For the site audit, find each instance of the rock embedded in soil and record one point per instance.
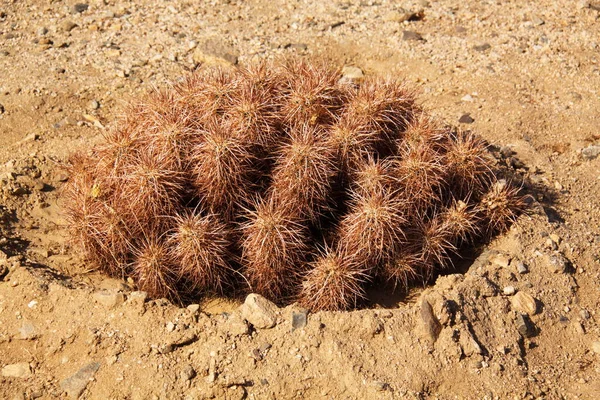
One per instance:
(590, 152)
(18, 370)
(351, 74)
(557, 263)
(522, 267)
(411, 35)
(109, 298)
(27, 331)
(80, 7)
(466, 119)
(299, 319)
(524, 303)
(430, 323)
(482, 47)
(259, 312)
(76, 384)
(596, 347)
(525, 326)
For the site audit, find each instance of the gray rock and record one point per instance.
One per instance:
(27, 331)
(299, 319)
(584, 314)
(188, 373)
(109, 298)
(590, 152)
(76, 384)
(80, 7)
(509, 290)
(522, 267)
(466, 119)
(482, 47)
(557, 263)
(259, 312)
(525, 326)
(18, 370)
(411, 35)
(431, 325)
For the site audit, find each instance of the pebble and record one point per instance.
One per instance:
(67, 26)
(259, 312)
(525, 326)
(590, 152)
(482, 47)
(430, 322)
(80, 7)
(397, 16)
(467, 98)
(42, 31)
(18, 370)
(188, 373)
(466, 119)
(584, 314)
(27, 331)
(411, 35)
(193, 308)
(509, 290)
(524, 303)
(557, 263)
(351, 74)
(596, 347)
(522, 267)
(94, 105)
(299, 319)
(501, 260)
(109, 298)
(170, 326)
(76, 384)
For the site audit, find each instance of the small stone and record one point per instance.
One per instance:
(590, 152)
(80, 7)
(109, 298)
(509, 290)
(381, 386)
(18, 370)
(482, 47)
(466, 119)
(557, 263)
(411, 35)
(259, 312)
(76, 384)
(236, 325)
(430, 323)
(188, 373)
(42, 31)
(193, 308)
(467, 98)
(351, 74)
(94, 105)
(170, 326)
(584, 314)
(27, 331)
(299, 319)
(67, 26)
(522, 267)
(596, 347)
(525, 326)
(397, 16)
(501, 260)
(524, 303)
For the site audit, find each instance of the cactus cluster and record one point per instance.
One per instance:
(282, 179)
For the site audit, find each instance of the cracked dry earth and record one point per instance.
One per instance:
(518, 320)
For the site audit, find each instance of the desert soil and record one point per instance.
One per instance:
(521, 321)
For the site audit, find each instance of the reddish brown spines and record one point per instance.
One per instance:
(221, 169)
(372, 230)
(469, 164)
(154, 269)
(360, 167)
(501, 206)
(200, 246)
(274, 246)
(310, 93)
(303, 173)
(333, 282)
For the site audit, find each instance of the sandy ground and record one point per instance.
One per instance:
(520, 322)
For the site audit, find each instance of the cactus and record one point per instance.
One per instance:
(282, 179)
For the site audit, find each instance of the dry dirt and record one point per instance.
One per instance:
(522, 321)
